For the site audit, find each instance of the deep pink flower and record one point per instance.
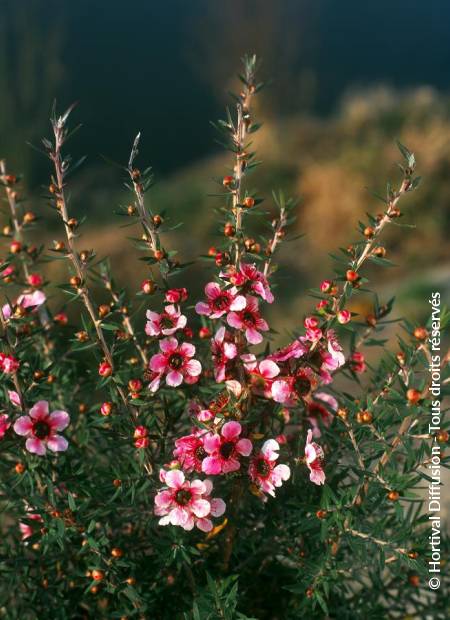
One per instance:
(190, 452)
(40, 427)
(262, 375)
(187, 503)
(358, 362)
(344, 316)
(249, 320)
(225, 449)
(326, 285)
(219, 301)
(223, 351)
(35, 280)
(4, 424)
(175, 361)
(250, 280)
(314, 460)
(175, 295)
(8, 364)
(166, 323)
(263, 470)
(294, 350)
(25, 528)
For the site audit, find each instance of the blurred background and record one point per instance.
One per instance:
(345, 81)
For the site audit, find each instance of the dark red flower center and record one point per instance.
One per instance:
(249, 318)
(166, 321)
(200, 453)
(176, 361)
(183, 497)
(41, 429)
(227, 449)
(221, 302)
(302, 385)
(263, 468)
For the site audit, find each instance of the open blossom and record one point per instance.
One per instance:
(189, 451)
(249, 320)
(225, 449)
(166, 323)
(314, 460)
(176, 363)
(40, 427)
(27, 300)
(289, 389)
(187, 503)
(250, 280)
(262, 375)
(219, 301)
(333, 358)
(4, 424)
(8, 364)
(264, 471)
(294, 350)
(223, 351)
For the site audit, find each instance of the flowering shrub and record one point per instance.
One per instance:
(282, 494)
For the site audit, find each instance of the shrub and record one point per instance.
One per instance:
(186, 468)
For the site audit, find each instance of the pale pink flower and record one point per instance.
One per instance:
(187, 503)
(224, 449)
(219, 301)
(40, 427)
(175, 361)
(249, 320)
(263, 470)
(27, 300)
(166, 323)
(4, 424)
(223, 351)
(234, 387)
(314, 459)
(14, 398)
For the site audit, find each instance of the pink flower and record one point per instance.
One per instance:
(175, 295)
(166, 323)
(295, 350)
(311, 322)
(187, 503)
(4, 424)
(344, 316)
(317, 412)
(262, 375)
(314, 459)
(358, 362)
(223, 351)
(288, 390)
(263, 470)
(326, 285)
(8, 364)
(333, 358)
(225, 449)
(190, 452)
(25, 528)
(250, 280)
(27, 300)
(219, 302)
(314, 334)
(249, 320)
(175, 361)
(14, 398)
(41, 428)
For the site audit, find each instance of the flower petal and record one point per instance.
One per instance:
(23, 425)
(174, 479)
(39, 410)
(218, 507)
(244, 447)
(57, 443)
(59, 420)
(35, 446)
(231, 430)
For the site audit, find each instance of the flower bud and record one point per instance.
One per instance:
(106, 408)
(413, 396)
(227, 181)
(249, 202)
(420, 333)
(351, 276)
(344, 316)
(104, 369)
